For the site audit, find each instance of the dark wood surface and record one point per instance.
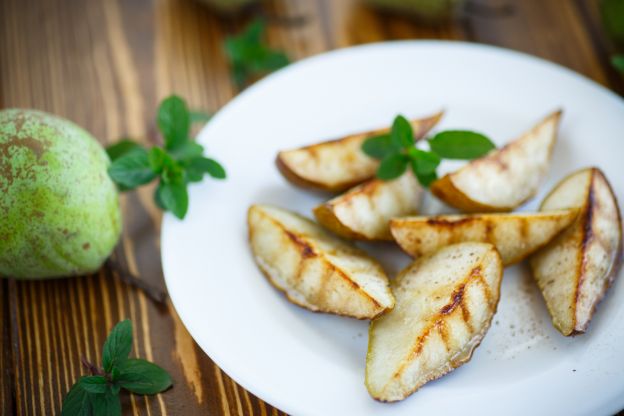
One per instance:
(105, 64)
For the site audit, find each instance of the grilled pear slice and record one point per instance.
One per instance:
(575, 270)
(364, 212)
(444, 306)
(337, 165)
(315, 269)
(504, 178)
(514, 235)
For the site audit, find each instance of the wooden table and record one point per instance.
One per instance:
(105, 64)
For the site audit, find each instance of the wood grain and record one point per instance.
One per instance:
(105, 64)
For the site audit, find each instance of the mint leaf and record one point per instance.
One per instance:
(248, 55)
(392, 166)
(460, 144)
(378, 147)
(402, 134)
(142, 377)
(425, 179)
(174, 121)
(93, 384)
(132, 169)
(188, 150)
(157, 159)
(122, 147)
(423, 162)
(107, 404)
(173, 196)
(612, 12)
(618, 62)
(117, 346)
(77, 402)
(200, 117)
(199, 166)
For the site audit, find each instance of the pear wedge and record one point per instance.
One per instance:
(575, 270)
(364, 212)
(315, 269)
(337, 165)
(505, 178)
(515, 235)
(444, 307)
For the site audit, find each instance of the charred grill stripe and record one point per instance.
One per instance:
(444, 333)
(586, 216)
(457, 300)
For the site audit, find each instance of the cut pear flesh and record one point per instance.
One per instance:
(364, 212)
(515, 236)
(444, 307)
(575, 270)
(505, 178)
(337, 165)
(315, 269)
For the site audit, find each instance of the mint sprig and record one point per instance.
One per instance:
(618, 62)
(98, 393)
(177, 163)
(250, 57)
(397, 150)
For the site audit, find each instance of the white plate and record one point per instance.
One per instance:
(313, 364)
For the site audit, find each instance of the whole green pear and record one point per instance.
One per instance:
(59, 210)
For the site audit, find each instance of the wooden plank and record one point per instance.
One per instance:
(553, 30)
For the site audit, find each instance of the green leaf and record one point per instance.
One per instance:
(392, 166)
(107, 404)
(424, 178)
(117, 346)
(460, 144)
(188, 150)
(378, 147)
(132, 169)
(158, 198)
(143, 377)
(93, 384)
(249, 56)
(618, 62)
(402, 133)
(77, 402)
(156, 158)
(200, 116)
(612, 12)
(173, 196)
(201, 165)
(122, 147)
(174, 121)
(424, 162)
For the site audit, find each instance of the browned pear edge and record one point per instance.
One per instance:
(427, 123)
(454, 302)
(307, 250)
(445, 189)
(327, 217)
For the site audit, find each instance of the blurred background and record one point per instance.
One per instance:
(106, 64)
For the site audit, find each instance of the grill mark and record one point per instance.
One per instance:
(321, 294)
(443, 222)
(457, 297)
(456, 301)
(304, 247)
(523, 229)
(586, 215)
(444, 333)
(489, 227)
(328, 264)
